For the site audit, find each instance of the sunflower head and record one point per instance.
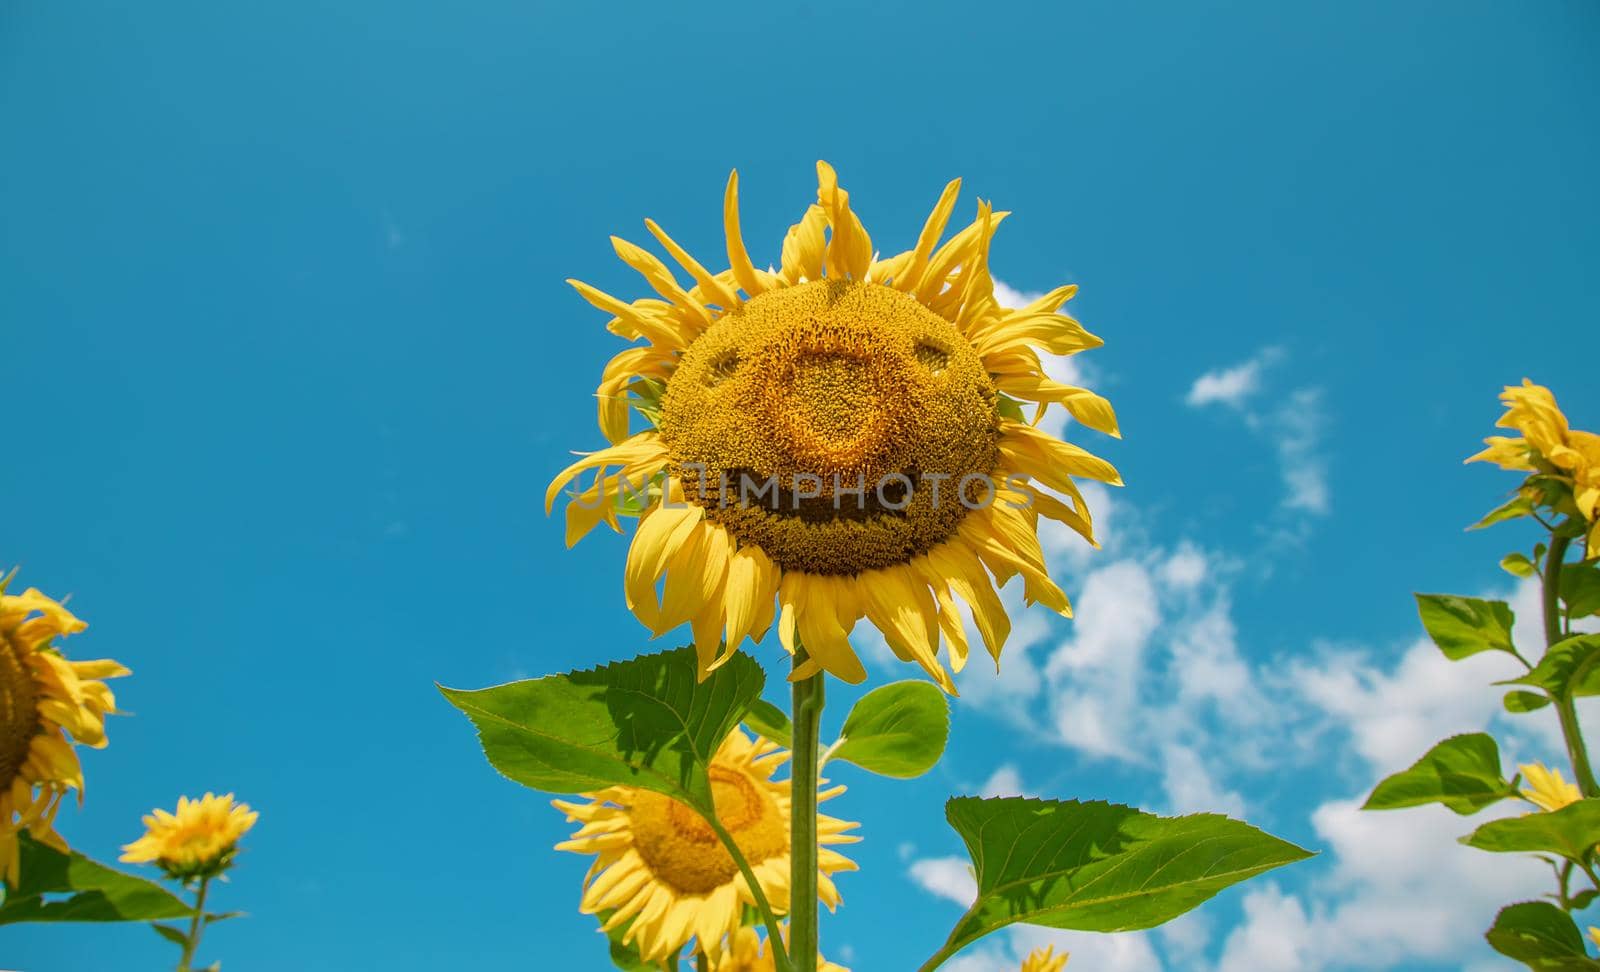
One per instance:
(1044, 959)
(1546, 788)
(660, 865)
(843, 436)
(1563, 462)
(47, 704)
(197, 841)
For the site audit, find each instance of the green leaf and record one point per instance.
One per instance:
(646, 722)
(1517, 565)
(176, 936)
(1464, 626)
(1099, 866)
(94, 891)
(1569, 832)
(897, 730)
(624, 956)
(1010, 408)
(1541, 936)
(1463, 773)
(1525, 701)
(1509, 510)
(770, 721)
(646, 398)
(1571, 668)
(1579, 588)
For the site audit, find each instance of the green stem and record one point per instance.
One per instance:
(780, 957)
(1577, 753)
(807, 716)
(702, 963)
(197, 925)
(943, 955)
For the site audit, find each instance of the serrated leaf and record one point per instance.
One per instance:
(897, 730)
(1099, 866)
(94, 891)
(770, 721)
(646, 722)
(1569, 832)
(1509, 510)
(1571, 668)
(1463, 773)
(1541, 936)
(1517, 565)
(1521, 701)
(1464, 626)
(1580, 589)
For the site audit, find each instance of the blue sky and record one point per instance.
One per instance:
(289, 361)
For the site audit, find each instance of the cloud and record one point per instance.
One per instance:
(946, 877)
(1101, 953)
(1402, 890)
(1005, 781)
(1230, 386)
(1294, 426)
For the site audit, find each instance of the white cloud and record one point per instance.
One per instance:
(1096, 671)
(947, 877)
(1190, 787)
(1229, 386)
(1128, 952)
(1008, 296)
(1296, 430)
(1005, 781)
(1402, 890)
(1293, 425)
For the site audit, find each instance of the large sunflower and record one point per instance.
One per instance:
(659, 864)
(46, 704)
(843, 435)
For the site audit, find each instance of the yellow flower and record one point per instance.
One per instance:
(1044, 960)
(747, 952)
(47, 703)
(1546, 789)
(845, 437)
(1548, 445)
(198, 841)
(1594, 935)
(659, 863)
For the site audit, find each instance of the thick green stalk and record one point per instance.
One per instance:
(807, 716)
(196, 925)
(1565, 711)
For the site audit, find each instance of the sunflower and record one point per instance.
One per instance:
(198, 841)
(1044, 960)
(747, 952)
(1550, 447)
(843, 436)
(47, 703)
(660, 865)
(1546, 788)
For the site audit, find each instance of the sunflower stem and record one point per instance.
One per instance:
(807, 716)
(780, 957)
(1568, 714)
(197, 925)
